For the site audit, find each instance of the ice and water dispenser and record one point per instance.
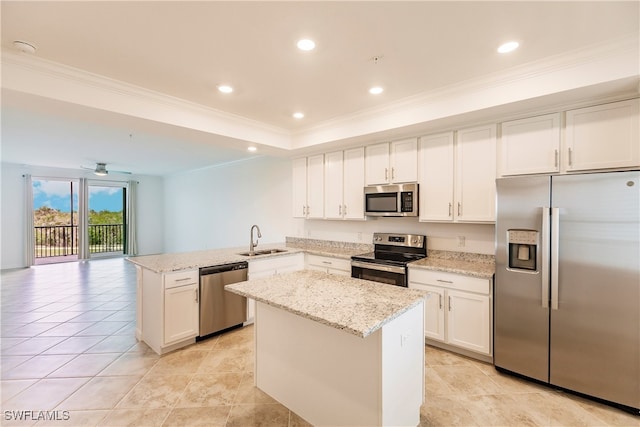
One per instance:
(523, 249)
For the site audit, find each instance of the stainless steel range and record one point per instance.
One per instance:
(388, 262)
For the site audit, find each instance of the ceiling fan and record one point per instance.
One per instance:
(101, 170)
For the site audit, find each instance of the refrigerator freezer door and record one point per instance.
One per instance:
(521, 313)
(595, 330)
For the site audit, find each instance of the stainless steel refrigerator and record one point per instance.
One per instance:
(567, 289)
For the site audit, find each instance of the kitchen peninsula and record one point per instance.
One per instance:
(338, 350)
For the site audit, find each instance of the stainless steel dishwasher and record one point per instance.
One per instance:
(220, 309)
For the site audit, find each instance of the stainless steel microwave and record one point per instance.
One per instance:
(391, 200)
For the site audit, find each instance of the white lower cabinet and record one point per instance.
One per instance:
(267, 267)
(170, 309)
(332, 265)
(181, 305)
(458, 310)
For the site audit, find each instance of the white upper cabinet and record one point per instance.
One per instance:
(308, 187)
(333, 179)
(404, 160)
(315, 186)
(602, 137)
(530, 146)
(457, 177)
(475, 192)
(394, 162)
(299, 178)
(344, 183)
(353, 176)
(436, 159)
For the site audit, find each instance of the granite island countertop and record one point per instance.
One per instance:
(359, 307)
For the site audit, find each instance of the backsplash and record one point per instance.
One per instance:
(460, 256)
(317, 243)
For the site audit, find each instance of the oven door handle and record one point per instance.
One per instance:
(379, 267)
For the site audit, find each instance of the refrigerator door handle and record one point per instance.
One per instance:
(546, 219)
(555, 250)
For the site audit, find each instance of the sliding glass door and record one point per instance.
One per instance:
(107, 218)
(78, 219)
(55, 220)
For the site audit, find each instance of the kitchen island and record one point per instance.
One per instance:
(338, 350)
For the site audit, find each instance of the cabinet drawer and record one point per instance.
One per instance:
(450, 280)
(180, 278)
(329, 262)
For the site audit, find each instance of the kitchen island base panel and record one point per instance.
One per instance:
(330, 377)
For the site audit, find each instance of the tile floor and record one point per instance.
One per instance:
(69, 351)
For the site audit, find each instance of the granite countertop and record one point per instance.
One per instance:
(359, 307)
(474, 265)
(167, 263)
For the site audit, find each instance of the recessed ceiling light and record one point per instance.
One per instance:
(376, 90)
(24, 47)
(508, 47)
(298, 115)
(225, 88)
(252, 148)
(306, 44)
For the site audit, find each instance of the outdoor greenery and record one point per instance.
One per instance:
(54, 229)
(46, 216)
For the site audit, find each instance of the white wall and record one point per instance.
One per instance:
(478, 238)
(216, 207)
(12, 222)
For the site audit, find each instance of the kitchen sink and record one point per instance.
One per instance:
(263, 252)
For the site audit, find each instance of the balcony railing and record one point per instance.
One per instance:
(62, 240)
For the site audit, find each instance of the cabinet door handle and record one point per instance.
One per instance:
(308, 210)
(386, 174)
(344, 210)
(449, 303)
(339, 210)
(443, 281)
(570, 157)
(393, 173)
(450, 209)
(556, 157)
(459, 208)
(327, 262)
(183, 279)
(304, 210)
(440, 300)
(197, 294)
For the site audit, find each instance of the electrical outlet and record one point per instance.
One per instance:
(461, 241)
(404, 338)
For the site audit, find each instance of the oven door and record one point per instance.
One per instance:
(390, 274)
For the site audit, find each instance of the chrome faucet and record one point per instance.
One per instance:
(252, 245)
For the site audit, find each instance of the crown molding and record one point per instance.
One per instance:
(592, 65)
(586, 67)
(41, 77)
